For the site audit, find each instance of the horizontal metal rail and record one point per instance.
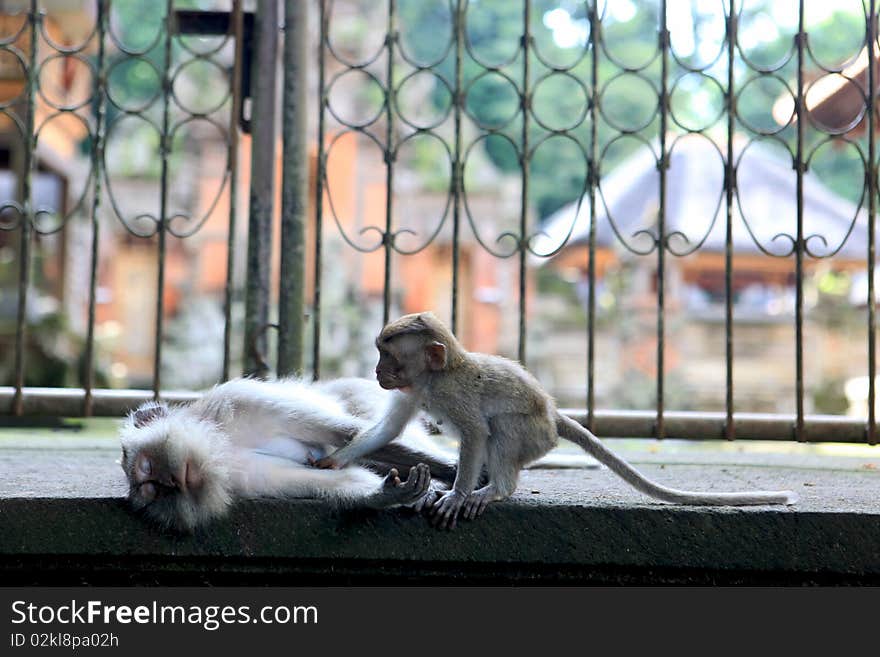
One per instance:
(67, 402)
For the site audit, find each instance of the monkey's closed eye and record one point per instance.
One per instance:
(144, 465)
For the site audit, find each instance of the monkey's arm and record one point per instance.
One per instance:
(248, 410)
(403, 408)
(262, 474)
(474, 433)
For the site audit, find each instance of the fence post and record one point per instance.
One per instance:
(259, 251)
(27, 209)
(294, 187)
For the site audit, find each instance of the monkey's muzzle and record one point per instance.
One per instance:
(387, 382)
(151, 476)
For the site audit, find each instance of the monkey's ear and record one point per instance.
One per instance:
(436, 354)
(148, 412)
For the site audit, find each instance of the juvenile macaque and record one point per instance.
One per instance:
(501, 415)
(185, 464)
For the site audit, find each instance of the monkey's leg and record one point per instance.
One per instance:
(395, 455)
(504, 475)
(505, 457)
(472, 454)
(268, 475)
(400, 456)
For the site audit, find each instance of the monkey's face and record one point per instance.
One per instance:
(407, 360)
(388, 370)
(174, 474)
(396, 369)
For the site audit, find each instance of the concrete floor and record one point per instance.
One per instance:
(62, 519)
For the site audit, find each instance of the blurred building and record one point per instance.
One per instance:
(198, 197)
(762, 276)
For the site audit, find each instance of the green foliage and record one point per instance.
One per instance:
(54, 355)
(829, 293)
(557, 175)
(557, 169)
(134, 82)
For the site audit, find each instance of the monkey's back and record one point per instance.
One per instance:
(507, 387)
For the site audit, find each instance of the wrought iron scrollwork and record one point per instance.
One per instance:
(101, 115)
(728, 75)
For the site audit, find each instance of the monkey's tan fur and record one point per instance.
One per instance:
(501, 415)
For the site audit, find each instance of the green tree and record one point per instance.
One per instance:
(493, 31)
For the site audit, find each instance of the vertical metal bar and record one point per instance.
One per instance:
(262, 192)
(799, 246)
(457, 165)
(232, 163)
(24, 264)
(729, 182)
(294, 187)
(164, 151)
(319, 197)
(593, 180)
(661, 220)
(872, 207)
(390, 38)
(99, 91)
(525, 102)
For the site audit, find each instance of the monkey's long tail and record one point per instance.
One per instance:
(573, 431)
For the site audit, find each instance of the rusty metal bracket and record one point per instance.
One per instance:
(218, 23)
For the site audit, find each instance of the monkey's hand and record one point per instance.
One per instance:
(338, 459)
(446, 508)
(326, 463)
(395, 492)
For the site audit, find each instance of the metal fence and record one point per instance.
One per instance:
(524, 70)
(34, 48)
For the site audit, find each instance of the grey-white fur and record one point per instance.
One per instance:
(186, 463)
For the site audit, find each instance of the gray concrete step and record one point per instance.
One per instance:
(63, 520)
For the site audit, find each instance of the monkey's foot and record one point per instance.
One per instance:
(446, 509)
(426, 501)
(477, 502)
(395, 492)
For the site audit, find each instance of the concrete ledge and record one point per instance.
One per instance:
(62, 521)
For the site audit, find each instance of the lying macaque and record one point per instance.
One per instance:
(501, 415)
(185, 464)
